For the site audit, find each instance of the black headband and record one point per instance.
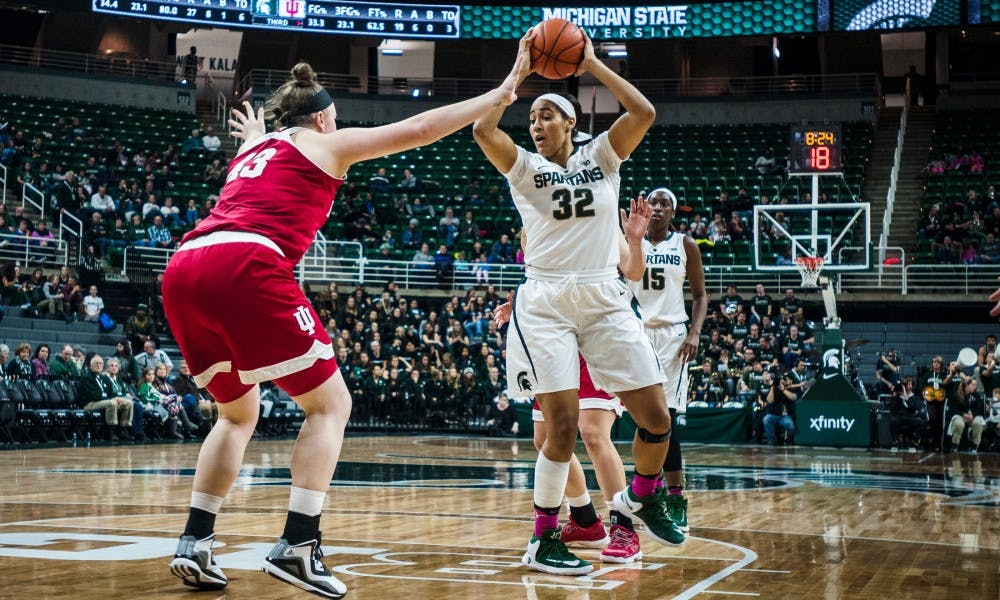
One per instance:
(320, 101)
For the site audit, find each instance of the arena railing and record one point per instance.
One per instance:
(815, 85)
(73, 226)
(33, 196)
(25, 251)
(977, 280)
(3, 182)
(91, 64)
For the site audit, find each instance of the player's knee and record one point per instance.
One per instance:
(595, 437)
(653, 437)
(561, 432)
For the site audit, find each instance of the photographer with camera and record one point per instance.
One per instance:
(907, 412)
(887, 372)
(799, 380)
(778, 409)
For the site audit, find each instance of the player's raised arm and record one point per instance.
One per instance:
(626, 132)
(354, 145)
(495, 144)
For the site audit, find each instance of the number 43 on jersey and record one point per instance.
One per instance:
(251, 166)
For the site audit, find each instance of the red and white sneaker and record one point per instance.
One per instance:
(574, 536)
(623, 547)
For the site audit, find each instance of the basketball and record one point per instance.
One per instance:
(557, 50)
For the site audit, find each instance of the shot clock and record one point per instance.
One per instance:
(815, 149)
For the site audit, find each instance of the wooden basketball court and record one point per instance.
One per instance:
(439, 517)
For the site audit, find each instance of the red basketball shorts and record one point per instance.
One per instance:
(591, 398)
(240, 318)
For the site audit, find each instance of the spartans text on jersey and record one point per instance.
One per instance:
(663, 259)
(547, 178)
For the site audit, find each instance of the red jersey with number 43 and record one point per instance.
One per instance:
(275, 191)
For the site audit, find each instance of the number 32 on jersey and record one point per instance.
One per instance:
(251, 166)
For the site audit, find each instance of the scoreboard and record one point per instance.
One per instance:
(381, 19)
(815, 149)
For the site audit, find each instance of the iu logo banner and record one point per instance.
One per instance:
(292, 8)
(305, 320)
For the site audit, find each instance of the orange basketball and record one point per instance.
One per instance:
(557, 50)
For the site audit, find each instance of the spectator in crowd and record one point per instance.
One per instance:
(448, 227)
(40, 362)
(93, 306)
(192, 143)
(417, 208)
(211, 142)
(159, 235)
(932, 386)
(444, 266)
(765, 163)
(408, 184)
(778, 409)
(119, 389)
(72, 298)
(412, 237)
(503, 251)
(468, 229)
(63, 367)
(42, 241)
(887, 373)
(101, 202)
(731, 304)
(52, 299)
(760, 304)
(907, 412)
(151, 357)
(97, 233)
(503, 421)
(791, 306)
(20, 367)
(966, 410)
(200, 406)
(138, 233)
(95, 393)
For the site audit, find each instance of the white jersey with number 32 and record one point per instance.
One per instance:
(661, 292)
(570, 215)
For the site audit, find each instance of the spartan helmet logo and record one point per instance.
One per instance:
(523, 382)
(831, 363)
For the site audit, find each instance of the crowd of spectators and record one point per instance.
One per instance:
(123, 196)
(965, 230)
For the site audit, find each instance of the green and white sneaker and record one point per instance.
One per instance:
(549, 554)
(651, 511)
(677, 510)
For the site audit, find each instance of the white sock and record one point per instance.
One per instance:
(306, 502)
(579, 501)
(550, 481)
(206, 502)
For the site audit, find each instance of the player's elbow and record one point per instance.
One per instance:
(481, 130)
(644, 112)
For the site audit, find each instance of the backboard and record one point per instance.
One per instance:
(840, 233)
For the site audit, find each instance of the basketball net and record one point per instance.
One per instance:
(809, 268)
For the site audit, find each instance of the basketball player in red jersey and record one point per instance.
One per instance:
(240, 318)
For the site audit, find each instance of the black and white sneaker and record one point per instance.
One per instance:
(194, 564)
(302, 566)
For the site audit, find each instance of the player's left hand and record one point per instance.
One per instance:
(634, 223)
(247, 126)
(689, 349)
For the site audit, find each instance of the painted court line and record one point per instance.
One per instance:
(731, 593)
(702, 586)
(765, 571)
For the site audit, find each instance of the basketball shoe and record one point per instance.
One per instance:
(194, 564)
(574, 536)
(651, 511)
(302, 566)
(677, 510)
(623, 547)
(549, 554)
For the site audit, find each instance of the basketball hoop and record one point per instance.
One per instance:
(809, 268)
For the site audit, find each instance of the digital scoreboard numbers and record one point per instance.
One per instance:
(315, 16)
(815, 149)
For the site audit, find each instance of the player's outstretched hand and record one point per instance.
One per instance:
(520, 71)
(501, 314)
(995, 297)
(689, 349)
(247, 126)
(634, 223)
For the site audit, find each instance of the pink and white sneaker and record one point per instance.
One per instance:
(623, 547)
(574, 536)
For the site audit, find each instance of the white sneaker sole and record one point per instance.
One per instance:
(537, 566)
(191, 574)
(589, 544)
(279, 573)
(622, 560)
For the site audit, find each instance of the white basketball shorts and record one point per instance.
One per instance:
(668, 341)
(553, 322)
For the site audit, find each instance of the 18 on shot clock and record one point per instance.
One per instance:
(815, 149)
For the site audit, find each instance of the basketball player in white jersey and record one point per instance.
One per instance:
(671, 258)
(572, 303)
